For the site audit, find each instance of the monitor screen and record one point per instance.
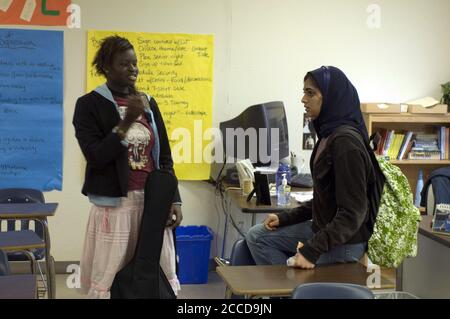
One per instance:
(259, 133)
(276, 118)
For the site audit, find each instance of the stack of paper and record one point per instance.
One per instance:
(302, 196)
(425, 102)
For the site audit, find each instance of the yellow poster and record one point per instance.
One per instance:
(176, 70)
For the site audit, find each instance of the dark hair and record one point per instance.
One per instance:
(108, 48)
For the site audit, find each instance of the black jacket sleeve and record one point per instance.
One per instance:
(299, 215)
(350, 171)
(165, 156)
(98, 148)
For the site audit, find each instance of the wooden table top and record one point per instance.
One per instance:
(425, 229)
(18, 287)
(251, 207)
(281, 280)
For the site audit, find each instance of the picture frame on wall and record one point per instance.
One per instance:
(309, 136)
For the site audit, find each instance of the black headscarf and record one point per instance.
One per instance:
(340, 104)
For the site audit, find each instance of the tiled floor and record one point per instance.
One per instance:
(214, 289)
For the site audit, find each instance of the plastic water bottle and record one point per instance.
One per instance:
(419, 187)
(283, 192)
(282, 169)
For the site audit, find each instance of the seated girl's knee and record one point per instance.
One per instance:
(255, 232)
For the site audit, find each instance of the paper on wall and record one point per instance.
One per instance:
(177, 71)
(5, 4)
(28, 10)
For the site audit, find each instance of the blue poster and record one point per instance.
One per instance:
(31, 98)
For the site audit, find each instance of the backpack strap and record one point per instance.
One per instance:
(367, 147)
(346, 130)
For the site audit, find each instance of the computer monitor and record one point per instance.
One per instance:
(259, 133)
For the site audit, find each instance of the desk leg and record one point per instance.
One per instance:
(253, 219)
(399, 278)
(228, 293)
(49, 263)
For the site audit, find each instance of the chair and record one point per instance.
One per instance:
(15, 286)
(22, 235)
(325, 290)
(240, 254)
(4, 264)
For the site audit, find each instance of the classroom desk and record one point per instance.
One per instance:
(239, 201)
(251, 208)
(18, 287)
(28, 239)
(263, 281)
(426, 275)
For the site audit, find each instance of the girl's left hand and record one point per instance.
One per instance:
(302, 262)
(175, 216)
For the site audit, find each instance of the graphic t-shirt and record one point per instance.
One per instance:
(141, 140)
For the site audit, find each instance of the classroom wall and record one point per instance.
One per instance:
(263, 48)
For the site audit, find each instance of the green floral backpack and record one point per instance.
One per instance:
(394, 234)
(393, 218)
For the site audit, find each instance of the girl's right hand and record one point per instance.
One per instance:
(135, 108)
(272, 222)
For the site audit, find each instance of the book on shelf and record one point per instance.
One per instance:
(447, 145)
(425, 147)
(423, 155)
(393, 146)
(441, 219)
(388, 142)
(428, 142)
(397, 145)
(415, 145)
(408, 150)
(441, 138)
(405, 144)
(443, 141)
(383, 133)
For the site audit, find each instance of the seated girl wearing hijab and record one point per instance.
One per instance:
(330, 228)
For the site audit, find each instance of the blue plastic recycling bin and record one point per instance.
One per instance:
(193, 244)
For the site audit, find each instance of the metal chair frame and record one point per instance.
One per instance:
(48, 286)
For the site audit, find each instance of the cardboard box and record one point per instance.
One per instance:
(380, 108)
(419, 109)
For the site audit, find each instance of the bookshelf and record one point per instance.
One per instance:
(420, 162)
(426, 123)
